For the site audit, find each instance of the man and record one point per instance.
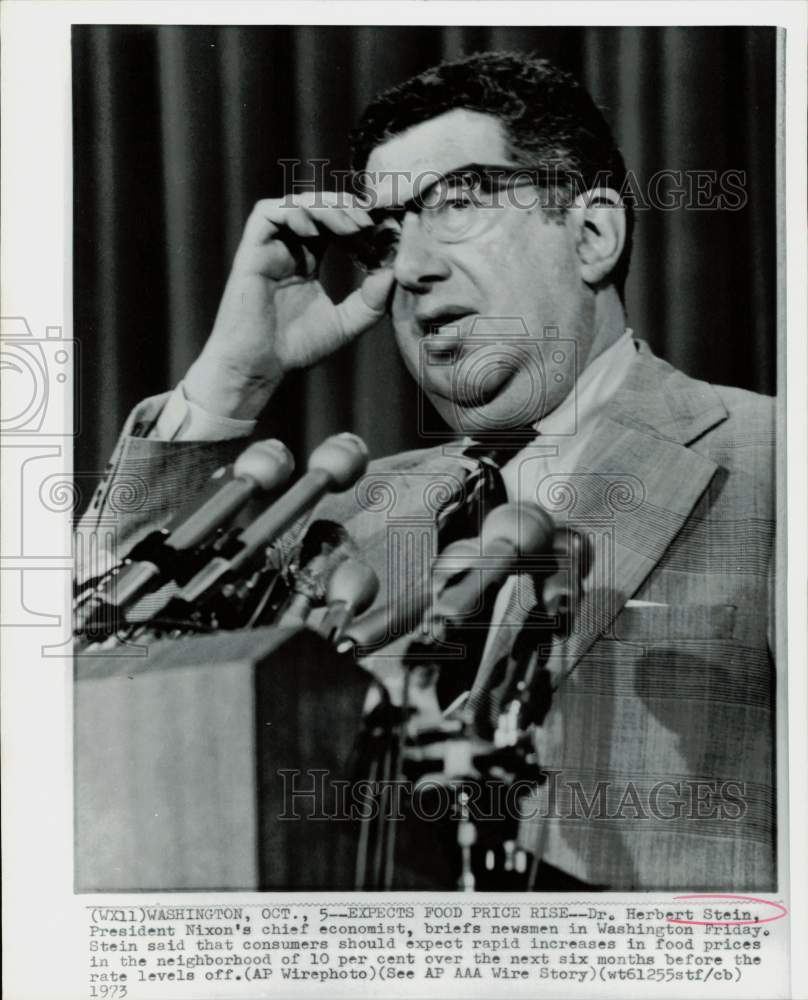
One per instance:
(493, 230)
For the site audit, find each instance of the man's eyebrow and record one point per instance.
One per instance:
(481, 169)
(473, 170)
(455, 174)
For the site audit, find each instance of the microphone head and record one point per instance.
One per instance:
(526, 527)
(343, 456)
(569, 544)
(460, 549)
(454, 560)
(269, 463)
(352, 583)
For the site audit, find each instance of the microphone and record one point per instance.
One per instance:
(387, 623)
(508, 533)
(504, 535)
(351, 589)
(262, 467)
(333, 466)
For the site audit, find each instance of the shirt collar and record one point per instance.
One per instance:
(595, 387)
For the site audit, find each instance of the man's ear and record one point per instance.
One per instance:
(599, 218)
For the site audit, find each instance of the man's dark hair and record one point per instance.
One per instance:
(551, 123)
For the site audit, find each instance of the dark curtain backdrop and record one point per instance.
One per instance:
(178, 131)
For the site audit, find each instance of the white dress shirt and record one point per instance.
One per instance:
(183, 420)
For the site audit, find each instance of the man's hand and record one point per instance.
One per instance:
(275, 315)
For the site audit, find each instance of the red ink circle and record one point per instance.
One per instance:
(731, 923)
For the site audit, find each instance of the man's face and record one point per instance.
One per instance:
(471, 316)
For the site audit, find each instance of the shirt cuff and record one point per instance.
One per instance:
(183, 420)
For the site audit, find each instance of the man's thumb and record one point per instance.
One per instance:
(366, 305)
(375, 289)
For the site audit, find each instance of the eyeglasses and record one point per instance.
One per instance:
(453, 208)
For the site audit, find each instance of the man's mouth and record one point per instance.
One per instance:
(446, 322)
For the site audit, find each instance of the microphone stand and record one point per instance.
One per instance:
(492, 743)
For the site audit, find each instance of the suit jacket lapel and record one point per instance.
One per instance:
(632, 492)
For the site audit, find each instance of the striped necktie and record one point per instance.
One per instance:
(483, 490)
(463, 516)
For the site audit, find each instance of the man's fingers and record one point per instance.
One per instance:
(296, 219)
(375, 289)
(351, 205)
(337, 220)
(333, 211)
(365, 306)
(359, 215)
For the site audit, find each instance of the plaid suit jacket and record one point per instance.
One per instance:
(659, 742)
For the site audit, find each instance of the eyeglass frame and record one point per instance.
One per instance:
(506, 176)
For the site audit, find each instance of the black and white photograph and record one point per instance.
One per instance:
(427, 470)
(505, 301)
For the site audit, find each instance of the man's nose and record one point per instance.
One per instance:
(419, 261)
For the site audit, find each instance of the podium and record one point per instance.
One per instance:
(214, 762)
